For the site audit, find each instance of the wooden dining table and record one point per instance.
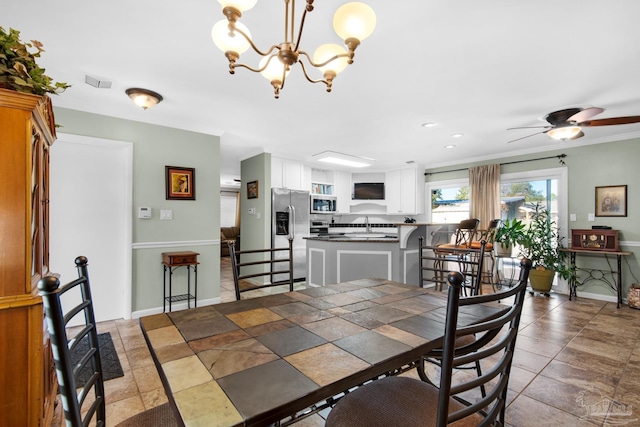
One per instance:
(280, 357)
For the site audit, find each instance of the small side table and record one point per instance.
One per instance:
(172, 261)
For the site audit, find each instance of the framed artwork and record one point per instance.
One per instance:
(180, 183)
(611, 200)
(252, 190)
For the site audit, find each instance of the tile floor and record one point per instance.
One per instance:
(573, 357)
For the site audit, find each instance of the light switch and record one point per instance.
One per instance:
(252, 211)
(572, 217)
(591, 217)
(166, 214)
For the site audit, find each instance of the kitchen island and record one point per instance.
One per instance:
(390, 254)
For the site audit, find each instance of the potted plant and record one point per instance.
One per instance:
(541, 243)
(508, 235)
(18, 68)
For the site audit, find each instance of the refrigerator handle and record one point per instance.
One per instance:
(292, 222)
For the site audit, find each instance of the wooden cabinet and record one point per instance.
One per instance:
(404, 191)
(28, 384)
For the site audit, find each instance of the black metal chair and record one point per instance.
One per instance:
(255, 260)
(407, 402)
(457, 249)
(58, 316)
(434, 265)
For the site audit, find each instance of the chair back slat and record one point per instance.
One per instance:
(57, 320)
(273, 258)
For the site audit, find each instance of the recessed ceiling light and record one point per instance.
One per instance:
(428, 124)
(457, 135)
(449, 146)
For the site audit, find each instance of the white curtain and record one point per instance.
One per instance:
(485, 193)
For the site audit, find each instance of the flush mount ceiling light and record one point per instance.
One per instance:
(143, 98)
(564, 132)
(428, 124)
(343, 159)
(457, 135)
(353, 22)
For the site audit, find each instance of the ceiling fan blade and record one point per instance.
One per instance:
(531, 127)
(585, 114)
(561, 116)
(533, 134)
(611, 121)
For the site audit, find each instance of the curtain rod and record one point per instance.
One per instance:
(560, 158)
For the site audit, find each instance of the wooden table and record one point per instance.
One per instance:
(597, 274)
(257, 361)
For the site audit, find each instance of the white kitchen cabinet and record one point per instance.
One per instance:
(404, 191)
(342, 190)
(290, 174)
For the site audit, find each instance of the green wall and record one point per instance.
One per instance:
(195, 225)
(612, 163)
(256, 228)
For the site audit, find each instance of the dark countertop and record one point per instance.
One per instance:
(354, 239)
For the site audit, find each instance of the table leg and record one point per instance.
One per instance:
(164, 288)
(619, 284)
(170, 290)
(195, 287)
(188, 286)
(573, 280)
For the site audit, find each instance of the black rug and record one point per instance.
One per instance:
(111, 367)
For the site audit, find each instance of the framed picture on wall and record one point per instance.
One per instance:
(180, 183)
(611, 200)
(252, 190)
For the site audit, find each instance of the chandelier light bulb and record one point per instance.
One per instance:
(228, 43)
(328, 51)
(241, 5)
(274, 70)
(354, 20)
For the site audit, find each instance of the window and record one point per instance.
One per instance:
(449, 201)
(229, 209)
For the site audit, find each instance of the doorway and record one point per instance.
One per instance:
(90, 215)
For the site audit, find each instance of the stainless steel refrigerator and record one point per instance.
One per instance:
(290, 219)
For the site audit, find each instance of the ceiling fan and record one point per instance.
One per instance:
(567, 124)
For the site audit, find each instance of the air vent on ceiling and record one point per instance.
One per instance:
(96, 82)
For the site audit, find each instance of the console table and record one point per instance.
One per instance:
(615, 282)
(172, 261)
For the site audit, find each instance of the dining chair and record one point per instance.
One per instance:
(434, 265)
(249, 265)
(455, 249)
(58, 315)
(410, 402)
(489, 236)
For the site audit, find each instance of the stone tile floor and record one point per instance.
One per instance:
(573, 359)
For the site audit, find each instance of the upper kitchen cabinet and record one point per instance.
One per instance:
(404, 191)
(290, 174)
(342, 181)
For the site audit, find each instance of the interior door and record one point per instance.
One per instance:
(90, 215)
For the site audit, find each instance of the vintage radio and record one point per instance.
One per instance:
(595, 240)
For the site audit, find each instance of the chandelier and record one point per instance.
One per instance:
(353, 22)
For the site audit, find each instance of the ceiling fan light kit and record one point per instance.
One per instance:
(567, 124)
(353, 22)
(563, 133)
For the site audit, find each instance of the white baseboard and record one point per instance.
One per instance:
(174, 307)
